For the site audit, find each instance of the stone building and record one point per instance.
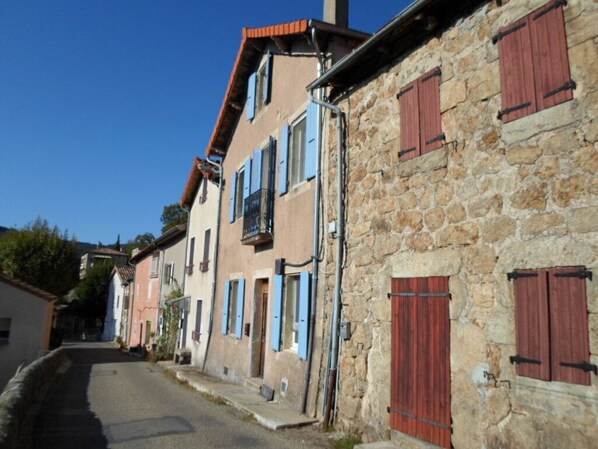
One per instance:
(471, 209)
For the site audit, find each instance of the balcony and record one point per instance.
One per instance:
(257, 218)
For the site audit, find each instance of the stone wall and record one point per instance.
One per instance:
(22, 391)
(495, 198)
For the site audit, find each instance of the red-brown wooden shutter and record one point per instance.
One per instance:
(532, 325)
(551, 61)
(420, 362)
(569, 325)
(409, 116)
(429, 111)
(516, 71)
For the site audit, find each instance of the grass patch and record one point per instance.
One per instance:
(346, 442)
(214, 399)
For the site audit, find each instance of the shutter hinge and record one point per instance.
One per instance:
(513, 109)
(587, 367)
(568, 85)
(404, 91)
(436, 139)
(554, 5)
(504, 33)
(519, 359)
(521, 274)
(585, 274)
(436, 72)
(408, 150)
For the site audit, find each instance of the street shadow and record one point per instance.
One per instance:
(65, 420)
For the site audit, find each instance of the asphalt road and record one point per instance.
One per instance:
(108, 399)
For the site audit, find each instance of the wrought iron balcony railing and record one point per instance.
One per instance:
(257, 217)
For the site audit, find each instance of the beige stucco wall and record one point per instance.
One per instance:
(198, 284)
(31, 321)
(495, 198)
(293, 217)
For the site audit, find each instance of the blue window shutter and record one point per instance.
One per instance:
(277, 312)
(312, 141)
(233, 193)
(284, 156)
(225, 307)
(247, 179)
(240, 308)
(304, 303)
(268, 82)
(251, 84)
(256, 171)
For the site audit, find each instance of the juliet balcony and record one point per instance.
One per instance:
(257, 217)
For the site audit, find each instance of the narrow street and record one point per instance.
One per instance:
(108, 399)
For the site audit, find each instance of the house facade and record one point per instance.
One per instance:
(26, 314)
(267, 137)
(118, 291)
(201, 199)
(101, 254)
(156, 268)
(471, 226)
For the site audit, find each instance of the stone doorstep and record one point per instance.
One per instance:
(377, 445)
(271, 415)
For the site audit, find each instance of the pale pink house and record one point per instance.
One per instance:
(150, 272)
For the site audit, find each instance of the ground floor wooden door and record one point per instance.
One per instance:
(420, 404)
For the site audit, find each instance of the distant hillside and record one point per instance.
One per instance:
(3, 230)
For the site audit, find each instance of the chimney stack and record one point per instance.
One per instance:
(336, 12)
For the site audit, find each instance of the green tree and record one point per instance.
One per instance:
(173, 215)
(42, 256)
(91, 295)
(117, 244)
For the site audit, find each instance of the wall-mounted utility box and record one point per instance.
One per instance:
(345, 331)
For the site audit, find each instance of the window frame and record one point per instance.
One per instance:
(297, 156)
(291, 312)
(154, 265)
(239, 200)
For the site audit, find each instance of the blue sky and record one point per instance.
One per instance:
(104, 103)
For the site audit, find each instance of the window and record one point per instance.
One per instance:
(259, 88)
(291, 297)
(551, 318)
(196, 334)
(239, 190)
(239, 193)
(206, 251)
(291, 337)
(168, 273)
(204, 192)
(191, 255)
(233, 307)
(154, 265)
(421, 128)
(297, 152)
(4, 330)
(534, 64)
(117, 301)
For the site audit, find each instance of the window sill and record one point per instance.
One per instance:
(298, 189)
(425, 163)
(539, 122)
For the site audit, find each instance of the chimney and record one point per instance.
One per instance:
(336, 12)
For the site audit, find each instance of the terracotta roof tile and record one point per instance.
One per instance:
(125, 272)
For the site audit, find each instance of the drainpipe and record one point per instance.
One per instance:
(334, 330)
(218, 165)
(316, 247)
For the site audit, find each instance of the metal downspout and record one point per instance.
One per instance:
(316, 247)
(218, 165)
(334, 329)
